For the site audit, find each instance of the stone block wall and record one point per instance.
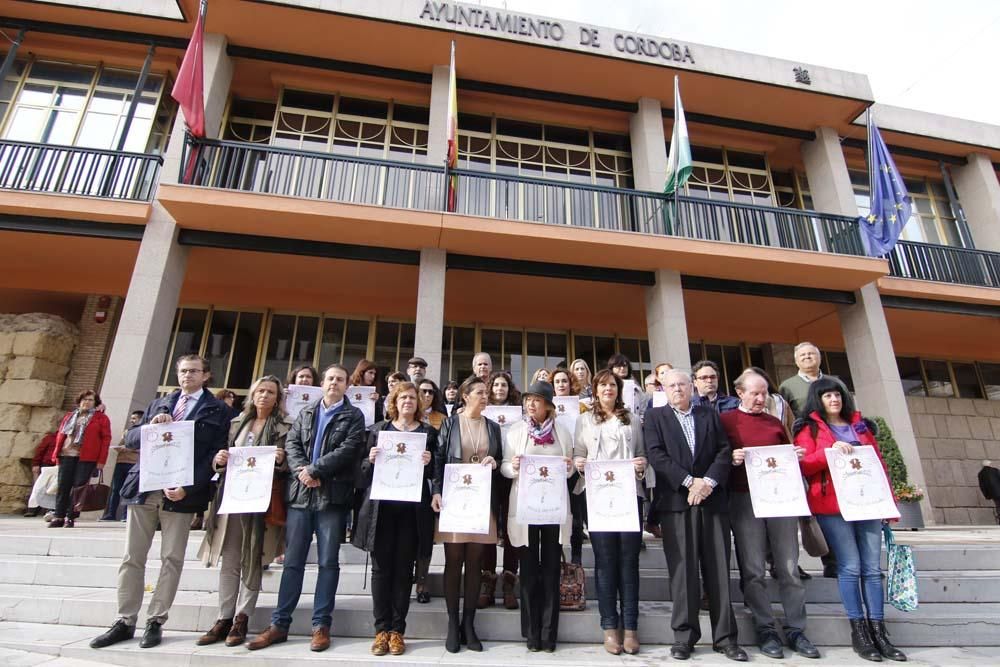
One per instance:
(35, 352)
(955, 436)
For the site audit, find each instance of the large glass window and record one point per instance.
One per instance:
(730, 175)
(911, 376)
(731, 359)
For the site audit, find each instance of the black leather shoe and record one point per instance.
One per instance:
(152, 636)
(118, 632)
(424, 597)
(830, 571)
(770, 646)
(803, 575)
(680, 652)
(801, 645)
(733, 652)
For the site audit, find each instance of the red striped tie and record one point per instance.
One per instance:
(180, 410)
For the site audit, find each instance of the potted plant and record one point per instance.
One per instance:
(908, 496)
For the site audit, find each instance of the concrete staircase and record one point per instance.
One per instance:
(68, 577)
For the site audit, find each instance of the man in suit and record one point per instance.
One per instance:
(690, 454)
(322, 448)
(171, 509)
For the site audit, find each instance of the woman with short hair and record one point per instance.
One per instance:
(246, 543)
(609, 432)
(391, 530)
(830, 420)
(539, 546)
(81, 447)
(304, 375)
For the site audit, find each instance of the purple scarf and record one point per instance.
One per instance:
(541, 434)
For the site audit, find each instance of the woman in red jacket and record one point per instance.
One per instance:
(832, 421)
(81, 446)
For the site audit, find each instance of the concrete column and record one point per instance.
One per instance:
(979, 192)
(437, 130)
(430, 309)
(876, 377)
(649, 151)
(218, 77)
(666, 322)
(826, 171)
(143, 336)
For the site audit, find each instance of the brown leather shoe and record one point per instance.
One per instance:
(381, 644)
(396, 644)
(238, 633)
(631, 643)
(218, 631)
(321, 639)
(273, 635)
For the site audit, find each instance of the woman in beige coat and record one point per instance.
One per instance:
(246, 542)
(539, 546)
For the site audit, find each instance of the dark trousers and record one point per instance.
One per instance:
(72, 473)
(392, 564)
(540, 574)
(616, 569)
(695, 540)
(578, 506)
(114, 499)
(510, 559)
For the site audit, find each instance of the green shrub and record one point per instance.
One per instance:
(898, 477)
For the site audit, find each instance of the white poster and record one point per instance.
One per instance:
(567, 411)
(505, 415)
(167, 456)
(249, 474)
(612, 505)
(542, 496)
(298, 396)
(465, 499)
(863, 491)
(659, 399)
(399, 466)
(630, 396)
(775, 479)
(363, 398)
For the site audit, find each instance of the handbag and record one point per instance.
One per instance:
(902, 574)
(276, 513)
(813, 540)
(91, 497)
(571, 586)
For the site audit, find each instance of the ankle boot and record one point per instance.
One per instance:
(509, 583)
(451, 644)
(861, 641)
(611, 643)
(469, 630)
(487, 590)
(880, 637)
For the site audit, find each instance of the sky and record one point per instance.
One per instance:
(928, 55)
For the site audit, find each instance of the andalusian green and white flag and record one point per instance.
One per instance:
(679, 161)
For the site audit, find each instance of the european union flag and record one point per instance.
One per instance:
(890, 203)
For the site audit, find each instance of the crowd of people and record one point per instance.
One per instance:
(686, 440)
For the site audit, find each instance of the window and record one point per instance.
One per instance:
(731, 359)
(911, 376)
(991, 380)
(730, 175)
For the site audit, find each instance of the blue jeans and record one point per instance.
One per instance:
(858, 548)
(616, 569)
(329, 526)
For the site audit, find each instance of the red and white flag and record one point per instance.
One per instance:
(452, 159)
(189, 89)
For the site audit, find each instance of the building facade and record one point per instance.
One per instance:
(309, 226)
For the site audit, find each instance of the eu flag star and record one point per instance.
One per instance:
(872, 218)
(892, 218)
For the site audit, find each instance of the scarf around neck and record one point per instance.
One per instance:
(541, 434)
(77, 424)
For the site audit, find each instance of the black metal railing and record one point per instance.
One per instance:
(236, 165)
(72, 170)
(945, 264)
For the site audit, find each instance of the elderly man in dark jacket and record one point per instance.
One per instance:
(171, 509)
(322, 448)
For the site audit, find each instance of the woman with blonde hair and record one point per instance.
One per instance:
(542, 375)
(246, 543)
(581, 371)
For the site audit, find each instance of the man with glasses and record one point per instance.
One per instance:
(172, 509)
(706, 381)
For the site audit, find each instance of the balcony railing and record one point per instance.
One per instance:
(269, 169)
(71, 170)
(945, 264)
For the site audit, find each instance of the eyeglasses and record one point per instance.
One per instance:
(427, 391)
(190, 371)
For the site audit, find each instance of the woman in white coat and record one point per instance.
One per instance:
(539, 546)
(608, 431)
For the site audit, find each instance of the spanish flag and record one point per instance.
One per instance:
(452, 159)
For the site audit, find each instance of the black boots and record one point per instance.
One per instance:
(862, 642)
(469, 631)
(880, 636)
(452, 643)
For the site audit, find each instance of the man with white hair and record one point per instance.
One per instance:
(482, 366)
(750, 426)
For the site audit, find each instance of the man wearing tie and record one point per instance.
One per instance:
(171, 508)
(690, 454)
(322, 447)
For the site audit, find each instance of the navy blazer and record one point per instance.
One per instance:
(670, 457)
(211, 431)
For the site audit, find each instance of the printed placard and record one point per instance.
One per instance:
(399, 466)
(542, 496)
(775, 480)
(612, 505)
(167, 456)
(465, 499)
(249, 475)
(298, 396)
(863, 490)
(363, 398)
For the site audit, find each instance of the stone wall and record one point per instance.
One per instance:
(35, 350)
(954, 436)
